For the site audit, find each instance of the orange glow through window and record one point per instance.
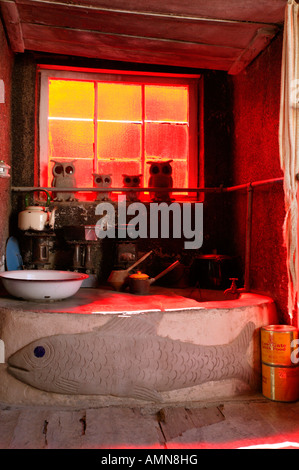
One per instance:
(115, 128)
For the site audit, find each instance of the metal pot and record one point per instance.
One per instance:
(36, 217)
(140, 283)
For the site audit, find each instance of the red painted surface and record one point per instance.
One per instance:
(6, 62)
(256, 100)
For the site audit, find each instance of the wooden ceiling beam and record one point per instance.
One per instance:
(133, 55)
(260, 41)
(128, 42)
(232, 35)
(12, 24)
(133, 12)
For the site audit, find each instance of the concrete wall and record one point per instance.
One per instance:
(255, 156)
(6, 64)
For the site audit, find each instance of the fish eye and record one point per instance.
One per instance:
(39, 351)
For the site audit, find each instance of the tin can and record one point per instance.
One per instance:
(277, 345)
(280, 383)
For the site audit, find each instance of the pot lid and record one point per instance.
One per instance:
(139, 275)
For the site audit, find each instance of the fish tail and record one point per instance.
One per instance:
(244, 337)
(239, 347)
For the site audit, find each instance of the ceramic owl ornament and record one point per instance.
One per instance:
(102, 180)
(160, 177)
(64, 177)
(132, 181)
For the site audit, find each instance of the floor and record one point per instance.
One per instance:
(239, 422)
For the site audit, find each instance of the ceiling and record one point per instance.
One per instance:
(215, 34)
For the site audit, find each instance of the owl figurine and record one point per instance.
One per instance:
(132, 181)
(160, 177)
(63, 177)
(102, 181)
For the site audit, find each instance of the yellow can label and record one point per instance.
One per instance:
(277, 345)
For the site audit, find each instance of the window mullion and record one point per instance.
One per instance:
(95, 145)
(143, 133)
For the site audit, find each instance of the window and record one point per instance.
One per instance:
(115, 123)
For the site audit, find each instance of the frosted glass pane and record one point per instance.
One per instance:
(166, 103)
(117, 101)
(166, 140)
(70, 139)
(71, 99)
(119, 140)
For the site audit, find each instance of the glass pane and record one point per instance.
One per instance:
(166, 103)
(71, 99)
(166, 140)
(70, 139)
(120, 102)
(119, 140)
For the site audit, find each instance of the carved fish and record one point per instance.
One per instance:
(127, 358)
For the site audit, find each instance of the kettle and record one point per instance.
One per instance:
(36, 217)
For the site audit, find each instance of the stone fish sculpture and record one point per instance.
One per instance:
(126, 358)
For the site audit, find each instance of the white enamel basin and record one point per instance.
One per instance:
(46, 285)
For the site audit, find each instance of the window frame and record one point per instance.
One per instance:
(194, 82)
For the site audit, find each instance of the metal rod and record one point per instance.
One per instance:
(76, 190)
(254, 184)
(174, 190)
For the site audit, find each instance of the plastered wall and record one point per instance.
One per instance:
(255, 98)
(6, 64)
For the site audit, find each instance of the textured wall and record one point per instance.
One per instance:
(6, 63)
(255, 156)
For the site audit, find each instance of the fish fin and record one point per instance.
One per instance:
(144, 393)
(64, 385)
(132, 325)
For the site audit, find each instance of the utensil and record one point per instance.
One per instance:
(118, 277)
(140, 283)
